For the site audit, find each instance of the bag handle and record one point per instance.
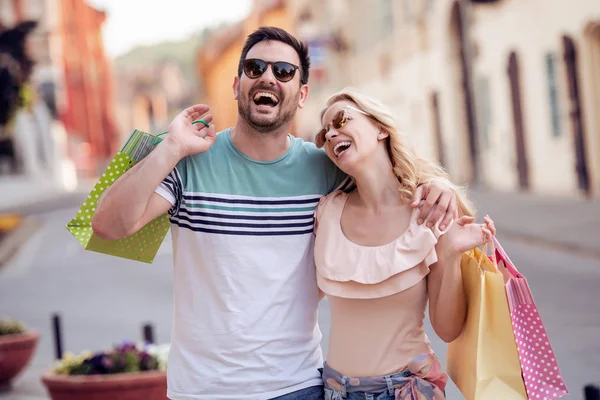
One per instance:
(493, 255)
(198, 121)
(509, 265)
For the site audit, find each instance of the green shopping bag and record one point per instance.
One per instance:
(144, 244)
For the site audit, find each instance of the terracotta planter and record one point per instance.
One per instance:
(15, 352)
(147, 385)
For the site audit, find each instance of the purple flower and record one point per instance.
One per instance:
(125, 357)
(95, 365)
(126, 346)
(107, 363)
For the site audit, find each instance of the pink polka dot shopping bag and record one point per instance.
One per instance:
(144, 244)
(541, 374)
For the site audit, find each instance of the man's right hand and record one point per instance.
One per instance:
(187, 138)
(130, 202)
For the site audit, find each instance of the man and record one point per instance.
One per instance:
(241, 205)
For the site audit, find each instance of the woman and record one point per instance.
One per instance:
(378, 267)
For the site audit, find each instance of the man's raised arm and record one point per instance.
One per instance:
(130, 202)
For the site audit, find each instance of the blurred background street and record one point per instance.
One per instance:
(505, 94)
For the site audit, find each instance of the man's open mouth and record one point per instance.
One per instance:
(262, 98)
(340, 148)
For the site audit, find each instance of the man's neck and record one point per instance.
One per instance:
(260, 146)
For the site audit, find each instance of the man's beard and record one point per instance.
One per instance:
(284, 115)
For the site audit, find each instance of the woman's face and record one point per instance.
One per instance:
(350, 136)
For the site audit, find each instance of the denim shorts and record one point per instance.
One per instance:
(339, 387)
(310, 393)
(330, 395)
(388, 394)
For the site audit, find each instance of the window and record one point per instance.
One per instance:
(553, 94)
(484, 110)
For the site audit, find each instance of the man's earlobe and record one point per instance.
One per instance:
(236, 87)
(303, 96)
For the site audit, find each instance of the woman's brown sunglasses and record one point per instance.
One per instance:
(337, 122)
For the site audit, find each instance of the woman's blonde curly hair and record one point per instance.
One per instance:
(410, 169)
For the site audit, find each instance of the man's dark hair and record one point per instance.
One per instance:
(270, 33)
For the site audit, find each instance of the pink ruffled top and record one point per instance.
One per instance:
(377, 295)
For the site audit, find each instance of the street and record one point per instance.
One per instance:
(104, 300)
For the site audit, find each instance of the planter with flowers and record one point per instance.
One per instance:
(17, 345)
(124, 372)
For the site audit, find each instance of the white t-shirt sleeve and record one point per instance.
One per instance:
(171, 189)
(165, 193)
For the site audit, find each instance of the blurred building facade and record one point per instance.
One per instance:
(88, 112)
(34, 140)
(219, 55)
(505, 93)
(148, 98)
(72, 75)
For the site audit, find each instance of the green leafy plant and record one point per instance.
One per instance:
(11, 327)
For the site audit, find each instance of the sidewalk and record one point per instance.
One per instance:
(25, 197)
(21, 201)
(571, 225)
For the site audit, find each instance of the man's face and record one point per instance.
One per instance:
(265, 103)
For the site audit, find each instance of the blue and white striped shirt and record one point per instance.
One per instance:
(245, 306)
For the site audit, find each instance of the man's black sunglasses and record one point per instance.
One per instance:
(282, 71)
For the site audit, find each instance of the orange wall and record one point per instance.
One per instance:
(89, 110)
(218, 76)
(219, 87)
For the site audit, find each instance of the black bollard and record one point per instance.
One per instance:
(57, 336)
(148, 333)
(591, 392)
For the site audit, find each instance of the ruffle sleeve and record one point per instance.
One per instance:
(345, 269)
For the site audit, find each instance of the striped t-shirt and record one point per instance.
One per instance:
(245, 296)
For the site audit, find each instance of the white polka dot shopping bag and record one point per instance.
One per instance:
(541, 374)
(144, 244)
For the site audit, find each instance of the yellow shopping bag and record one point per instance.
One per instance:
(483, 361)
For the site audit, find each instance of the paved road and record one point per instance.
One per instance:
(104, 300)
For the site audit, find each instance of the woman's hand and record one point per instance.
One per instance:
(447, 301)
(464, 235)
